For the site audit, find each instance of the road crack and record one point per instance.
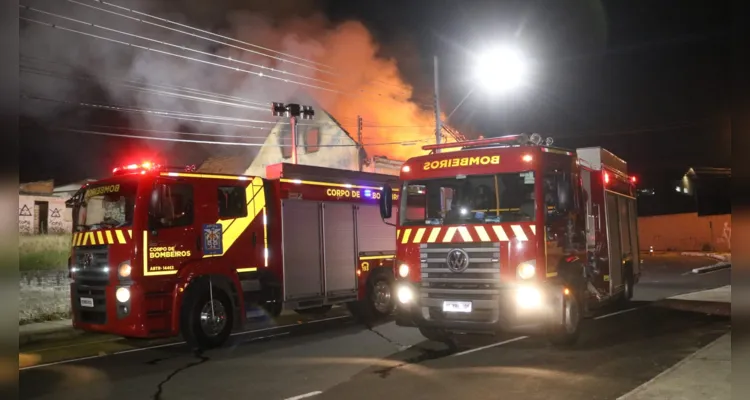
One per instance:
(160, 387)
(424, 355)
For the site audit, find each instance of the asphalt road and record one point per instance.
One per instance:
(336, 358)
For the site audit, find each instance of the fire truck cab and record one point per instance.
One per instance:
(161, 251)
(508, 234)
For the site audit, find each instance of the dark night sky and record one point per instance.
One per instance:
(647, 80)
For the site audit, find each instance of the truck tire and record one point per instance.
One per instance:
(380, 301)
(568, 333)
(627, 294)
(199, 329)
(314, 310)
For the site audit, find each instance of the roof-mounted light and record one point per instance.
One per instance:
(135, 168)
(478, 142)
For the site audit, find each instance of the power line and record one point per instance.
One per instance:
(330, 72)
(259, 74)
(204, 31)
(180, 132)
(163, 86)
(205, 53)
(406, 143)
(141, 89)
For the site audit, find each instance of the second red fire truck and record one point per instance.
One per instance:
(159, 251)
(512, 234)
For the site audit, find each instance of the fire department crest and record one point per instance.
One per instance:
(212, 239)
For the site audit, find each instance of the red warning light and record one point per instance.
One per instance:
(142, 168)
(632, 179)
(606, 177)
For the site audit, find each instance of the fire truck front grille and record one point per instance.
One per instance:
(479, 281)
(91, 280)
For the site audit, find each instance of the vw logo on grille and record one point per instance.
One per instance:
(457, 260)
(87, 260)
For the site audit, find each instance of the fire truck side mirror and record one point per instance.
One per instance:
(386, 202)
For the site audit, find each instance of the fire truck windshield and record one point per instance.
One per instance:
(107, 206)
(507, 197)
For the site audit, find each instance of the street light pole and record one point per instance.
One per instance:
(438, 124)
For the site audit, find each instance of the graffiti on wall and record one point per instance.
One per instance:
(55, 221)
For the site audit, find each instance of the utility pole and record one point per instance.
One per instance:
(292, 111)
(359, 141)
(438, 127)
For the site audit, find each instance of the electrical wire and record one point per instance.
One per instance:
(206, 32)
(185, 48)
(406, 143)
(259, 74)
(217, 35)
(155, 85)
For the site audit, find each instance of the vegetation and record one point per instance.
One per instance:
(44, 252)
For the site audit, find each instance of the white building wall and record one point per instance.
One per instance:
(59, 218)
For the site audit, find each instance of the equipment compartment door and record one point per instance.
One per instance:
(340, 253)
(302, 254)
(633, 220)
(372, 233)
(613, 240)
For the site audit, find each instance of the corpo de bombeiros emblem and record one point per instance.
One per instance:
(457, 260)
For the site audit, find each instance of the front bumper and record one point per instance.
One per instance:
(108, 315)
(508, 310)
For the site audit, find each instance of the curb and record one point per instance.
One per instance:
(56, 333)
(715, 256)
(711, 268)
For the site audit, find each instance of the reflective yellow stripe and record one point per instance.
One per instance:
(465, 234)
(233, 228)
(418, 236)
(398, 234)
(551, 274)
(376, 257)
(449, 235)
(120, 237)
(110, 240)
(533, 229)
(407, 233)
(483, 236)
(433, 235)
(500, 232)
(89, 238)
(316, 183)
(100, 237)
(130, 233)
(520, 235)
(79, 239)
(73, 239)
(251, 269)
(265, 238)
(207, 176)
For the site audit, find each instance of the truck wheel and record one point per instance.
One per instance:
(380, 301)
(627, 293)
(568, 333)
(314, 311)
(206, 322)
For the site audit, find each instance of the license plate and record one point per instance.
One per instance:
(457, 306)
(87, 302)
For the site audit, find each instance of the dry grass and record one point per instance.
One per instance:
(44, 252)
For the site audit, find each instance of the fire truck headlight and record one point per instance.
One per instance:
(405, 294)
(403, 270)
(526, 270)
(528, 297)
(122, 294)
(124, 270)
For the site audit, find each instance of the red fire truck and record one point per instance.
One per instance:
(510, 234)
(161, 251)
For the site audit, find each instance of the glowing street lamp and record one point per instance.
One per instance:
(501, 70)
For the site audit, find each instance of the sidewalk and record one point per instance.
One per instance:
(704, 374)
(41, 331)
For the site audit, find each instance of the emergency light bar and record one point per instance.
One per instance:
(134, 168)
(520, 138)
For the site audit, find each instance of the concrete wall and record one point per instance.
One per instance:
(685, 232)
(59, 218)
(43, 295)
